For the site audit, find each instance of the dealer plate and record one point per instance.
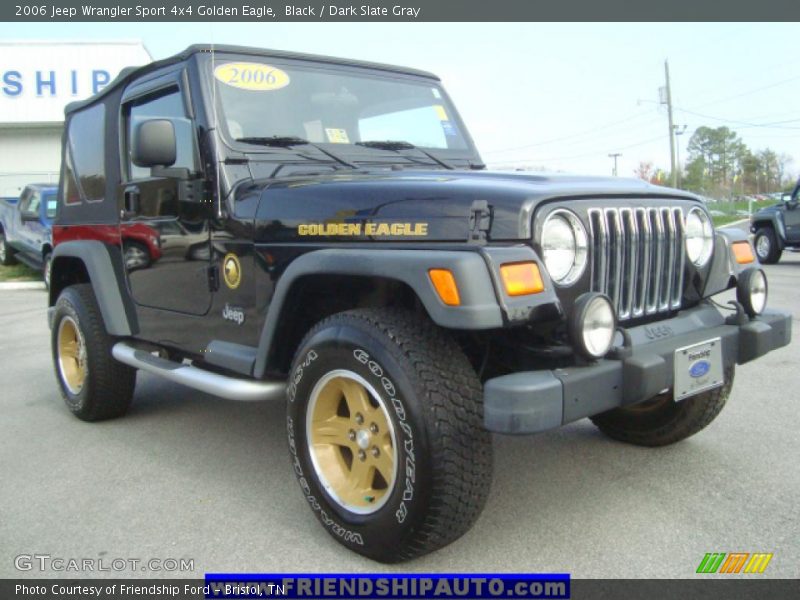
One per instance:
(698, 368)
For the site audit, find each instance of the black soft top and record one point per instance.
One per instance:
(129, 73)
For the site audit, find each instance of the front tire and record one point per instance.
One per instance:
(662, 421)
(93, 384)
(767, 247)
(136, 256)
(47, 269)
(6, 251)
(385, 428)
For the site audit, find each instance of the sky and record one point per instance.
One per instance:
(561, 97)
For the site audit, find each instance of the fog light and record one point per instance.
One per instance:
(593, 325)
(751, 291)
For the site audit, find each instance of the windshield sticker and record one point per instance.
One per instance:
(255, 77)
(337, 136)
(449, 129)
(436, 93)
(441, 112)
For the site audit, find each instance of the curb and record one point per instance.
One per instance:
(739, 222)
(22, 285)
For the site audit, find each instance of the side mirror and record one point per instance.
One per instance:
(26, 216)
(154, 144)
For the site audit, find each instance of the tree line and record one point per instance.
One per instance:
(721, 165)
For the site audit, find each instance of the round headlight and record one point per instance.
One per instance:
(593, 325)
(564, 246)
(699, 237)
(751, 291)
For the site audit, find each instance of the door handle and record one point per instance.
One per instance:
(131, 200)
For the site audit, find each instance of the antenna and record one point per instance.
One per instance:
(214, 117)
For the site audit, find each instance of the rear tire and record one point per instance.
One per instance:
(662, 421)
(766, 244)
(136, 256)
(422, 408)
(6, 251)
(93, 384)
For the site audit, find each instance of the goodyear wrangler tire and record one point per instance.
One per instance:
(384, 418)
(662, 421)
(767, 247)
(93, 384)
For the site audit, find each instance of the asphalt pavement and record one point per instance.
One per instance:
(189, 476)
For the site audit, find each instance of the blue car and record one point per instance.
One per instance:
(25, 228)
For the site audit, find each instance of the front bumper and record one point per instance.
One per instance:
(534, 401)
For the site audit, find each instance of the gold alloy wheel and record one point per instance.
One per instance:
(351, 441)
(71, 355)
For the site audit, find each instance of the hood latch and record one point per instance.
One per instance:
(480, 221)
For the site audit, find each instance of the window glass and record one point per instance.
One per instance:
(51, 202)
(33, 205)
(166, 106)
(420, 126)
(72, 194)
(87, 145)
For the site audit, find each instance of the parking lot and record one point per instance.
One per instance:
(187, 475)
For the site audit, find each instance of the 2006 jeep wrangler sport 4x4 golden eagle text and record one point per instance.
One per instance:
(259, 224)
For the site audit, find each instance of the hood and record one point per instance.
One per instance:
(768, 210)
(417, 205)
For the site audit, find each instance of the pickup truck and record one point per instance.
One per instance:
(777, 227)
(25, 228)
(334, 242)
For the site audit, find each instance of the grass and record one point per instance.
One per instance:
(18, 272)
(725, 219)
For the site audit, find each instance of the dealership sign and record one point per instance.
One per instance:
(38, 79)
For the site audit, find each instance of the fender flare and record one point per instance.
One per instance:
(775, 220)
(479, 307)
(106, 271)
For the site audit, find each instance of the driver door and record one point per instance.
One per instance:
(792, 217)
(164, 227)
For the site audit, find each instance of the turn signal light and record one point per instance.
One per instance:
(445, 285)
(521, 279)
(743, 253)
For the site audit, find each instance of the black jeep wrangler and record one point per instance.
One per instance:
(777, 227)
(323, 232)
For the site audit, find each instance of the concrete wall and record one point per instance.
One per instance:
(29, 155)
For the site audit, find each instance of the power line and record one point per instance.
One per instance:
(588, 154)
(570, 136)
(775, 125)
(753, 91)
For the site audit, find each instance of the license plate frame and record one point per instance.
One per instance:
(698, 368)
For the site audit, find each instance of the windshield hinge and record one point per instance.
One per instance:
(213, 278)
(480, 220)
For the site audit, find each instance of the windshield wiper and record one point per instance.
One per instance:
(288, 140)
(275, 140)
(397, 145)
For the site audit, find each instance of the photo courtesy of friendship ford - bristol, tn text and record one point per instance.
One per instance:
(272, 302)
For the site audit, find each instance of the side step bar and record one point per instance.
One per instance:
(232, 388)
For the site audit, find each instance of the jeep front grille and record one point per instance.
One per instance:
(637, 258)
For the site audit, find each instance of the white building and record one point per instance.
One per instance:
(39, 78)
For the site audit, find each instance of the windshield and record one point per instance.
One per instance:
(333, 106)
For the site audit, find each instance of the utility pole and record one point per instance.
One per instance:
(671, 127)
(679, 130)
(615, 155)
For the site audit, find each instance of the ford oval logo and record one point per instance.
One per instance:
(700, 368)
